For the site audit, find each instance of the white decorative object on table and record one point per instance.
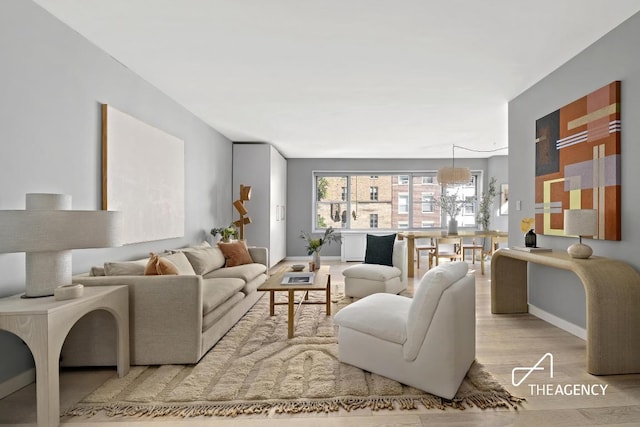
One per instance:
(47, 231)
(66, 292)
(580, 222)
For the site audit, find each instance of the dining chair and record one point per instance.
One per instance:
(496, 241)
(428, 247)
(447, 247)
(473, 246)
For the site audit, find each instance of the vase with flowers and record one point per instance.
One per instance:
(526, 226)
(452, 205)
(315, 244)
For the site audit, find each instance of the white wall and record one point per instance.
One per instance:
(613, 57)
(52, 82)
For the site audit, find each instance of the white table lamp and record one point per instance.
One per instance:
(580, 222)
(47, 231)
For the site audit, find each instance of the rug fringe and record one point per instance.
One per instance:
(485, 401)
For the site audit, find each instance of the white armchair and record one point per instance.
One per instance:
(427, 341)
(365, 279)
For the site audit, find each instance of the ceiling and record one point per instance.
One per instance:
(347, 78)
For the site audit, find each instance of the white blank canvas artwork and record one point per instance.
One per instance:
(143, 176)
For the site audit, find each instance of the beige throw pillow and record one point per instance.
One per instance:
(125, 268)
(181, 263)
(204, 259)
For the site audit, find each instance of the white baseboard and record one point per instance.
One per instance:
(16, 383)
(560, 323)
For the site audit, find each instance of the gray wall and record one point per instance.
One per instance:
(614, 57)
(300, 184)
(52, 82)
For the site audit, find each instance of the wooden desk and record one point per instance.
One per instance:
(43, 324)
(412, 235)
(612, 290)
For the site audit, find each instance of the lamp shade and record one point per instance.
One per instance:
(453, 175)
(47, 231)
(580, 222)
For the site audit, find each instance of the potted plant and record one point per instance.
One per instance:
(484, 208)
(226, 233)
(315, 244)
(452, 205)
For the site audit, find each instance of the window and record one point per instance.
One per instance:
(427, 203)
(373, 193)
(349, 201)
(403, 203)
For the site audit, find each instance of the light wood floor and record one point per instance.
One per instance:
(503, 342)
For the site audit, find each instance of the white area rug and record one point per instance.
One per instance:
(256, 369)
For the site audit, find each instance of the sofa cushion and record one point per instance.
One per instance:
(216, 314)
(246, 272)
(159, 266)
(125, 268)
(380, 315)
(236, 253)
(380, 273)
(217, 291)
(253, 285)
(425, 301)
(379, 249)
(204, 259)
(181, 262)
(96, 270)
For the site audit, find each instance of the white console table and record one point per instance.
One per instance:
(43, 324)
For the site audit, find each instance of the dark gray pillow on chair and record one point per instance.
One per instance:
(379, 249)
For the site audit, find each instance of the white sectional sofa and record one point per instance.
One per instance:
(174, 319)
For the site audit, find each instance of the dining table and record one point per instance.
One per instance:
(411, 237)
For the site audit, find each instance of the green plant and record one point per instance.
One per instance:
(451, 204)
(314, 244)
(323, 186)
(483, 218)
(225, 232)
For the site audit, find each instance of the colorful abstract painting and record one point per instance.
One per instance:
(578, 163)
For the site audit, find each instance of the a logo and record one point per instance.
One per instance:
(548, 389)
(530, 369)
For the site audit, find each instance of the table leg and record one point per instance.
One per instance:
(47, 383)
(291, 313)
(328, 295)
(410, 259)
(272, 305)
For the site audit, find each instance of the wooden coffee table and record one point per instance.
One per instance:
(322, 282)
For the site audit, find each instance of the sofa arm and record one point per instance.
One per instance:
(260, 255)
(400, 258)
(165, 314)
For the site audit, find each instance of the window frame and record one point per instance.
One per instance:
(437, 219)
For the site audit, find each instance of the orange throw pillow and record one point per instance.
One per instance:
(159, 266)
(236, 253)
